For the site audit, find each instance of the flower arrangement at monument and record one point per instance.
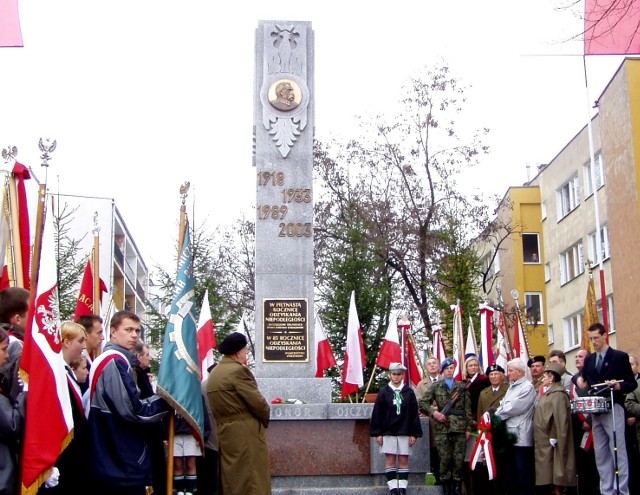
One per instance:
(280, 400)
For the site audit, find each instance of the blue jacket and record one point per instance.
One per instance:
(119, 445)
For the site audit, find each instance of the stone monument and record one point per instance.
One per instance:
(316, 440)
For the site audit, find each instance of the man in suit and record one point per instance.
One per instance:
(610, 368)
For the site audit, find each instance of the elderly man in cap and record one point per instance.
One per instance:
(489, 400)
(241, 415)
(448, 404)
(396, 426)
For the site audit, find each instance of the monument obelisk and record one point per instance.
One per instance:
(284, 260)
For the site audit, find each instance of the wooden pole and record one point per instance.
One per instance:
(170, 467)
(37, 243)
(15, 233)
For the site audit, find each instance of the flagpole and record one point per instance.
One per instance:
(596, 207)
(97, 293)
(15, 234)
(506, 332)
(515, 294)
(184, 191)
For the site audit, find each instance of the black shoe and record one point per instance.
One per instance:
(457, 490)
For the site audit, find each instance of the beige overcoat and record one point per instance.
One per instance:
(552, 420)
(242, 415)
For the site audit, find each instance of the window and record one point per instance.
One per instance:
(533, 304)
(496, 262)
(547, 272)
(571, 263)
(604, 245)
(568, 197)
(599, 177)
(543, 210)
(530, 249)
(550, 336)
(572, 328)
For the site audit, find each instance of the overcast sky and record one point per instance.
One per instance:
(142, 95)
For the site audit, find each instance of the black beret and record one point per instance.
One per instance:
(233, 343)
(494, 367)
(536, 359)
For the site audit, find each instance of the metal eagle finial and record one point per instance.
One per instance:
(47, 146)
(184, 191)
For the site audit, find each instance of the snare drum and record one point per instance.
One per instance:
(591, 405)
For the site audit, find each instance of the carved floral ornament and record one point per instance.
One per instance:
(284, 94)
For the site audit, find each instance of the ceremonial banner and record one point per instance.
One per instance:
(84, 306)
(179, 376)
(611, 27)
(49, 421)
(206, 336)
(503, 351)
(354, 355)
(10, 34)
(590, 315)
(324, 354)
(458, 341)
(471, 348)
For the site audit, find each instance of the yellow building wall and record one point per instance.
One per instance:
(529, 277)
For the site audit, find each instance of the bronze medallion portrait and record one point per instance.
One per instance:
(285, 95)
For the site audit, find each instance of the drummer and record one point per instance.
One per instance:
(605, 370)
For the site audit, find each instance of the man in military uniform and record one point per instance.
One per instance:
(449, 406)
(536, 366)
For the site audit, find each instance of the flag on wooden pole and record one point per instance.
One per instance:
(503, 349)
(85, 306)
(49, 421)
(354, 355)
(437, 350)
(179, 376)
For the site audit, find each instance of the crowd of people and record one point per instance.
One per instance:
(551, 432)
(120, 436)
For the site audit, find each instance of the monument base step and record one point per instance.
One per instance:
(346, 485)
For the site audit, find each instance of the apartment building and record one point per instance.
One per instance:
(589, 217)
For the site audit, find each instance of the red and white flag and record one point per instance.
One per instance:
(206, 335)
(84, 306)
(520, 348)
(486, 331)
(10, 33)
(390, 349)
(354, 355)
(49, 421)
(324, 354)
(438, 351)
(471, 348)
(503, 350)
(458, 341)
(412, 363)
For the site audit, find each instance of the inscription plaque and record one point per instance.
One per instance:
(286, 330)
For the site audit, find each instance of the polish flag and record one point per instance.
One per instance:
(520, 348)
(412, 363)
(354, 356)
(206, 336)
(390, 348)
(486, 351)
(10, 33)
(438, 351)
(324, 354)
(49, 421)
(471, 348)
(503, 352)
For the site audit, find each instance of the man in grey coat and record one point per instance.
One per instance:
(517, 410)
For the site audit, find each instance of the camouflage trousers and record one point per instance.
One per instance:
(451, 449)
